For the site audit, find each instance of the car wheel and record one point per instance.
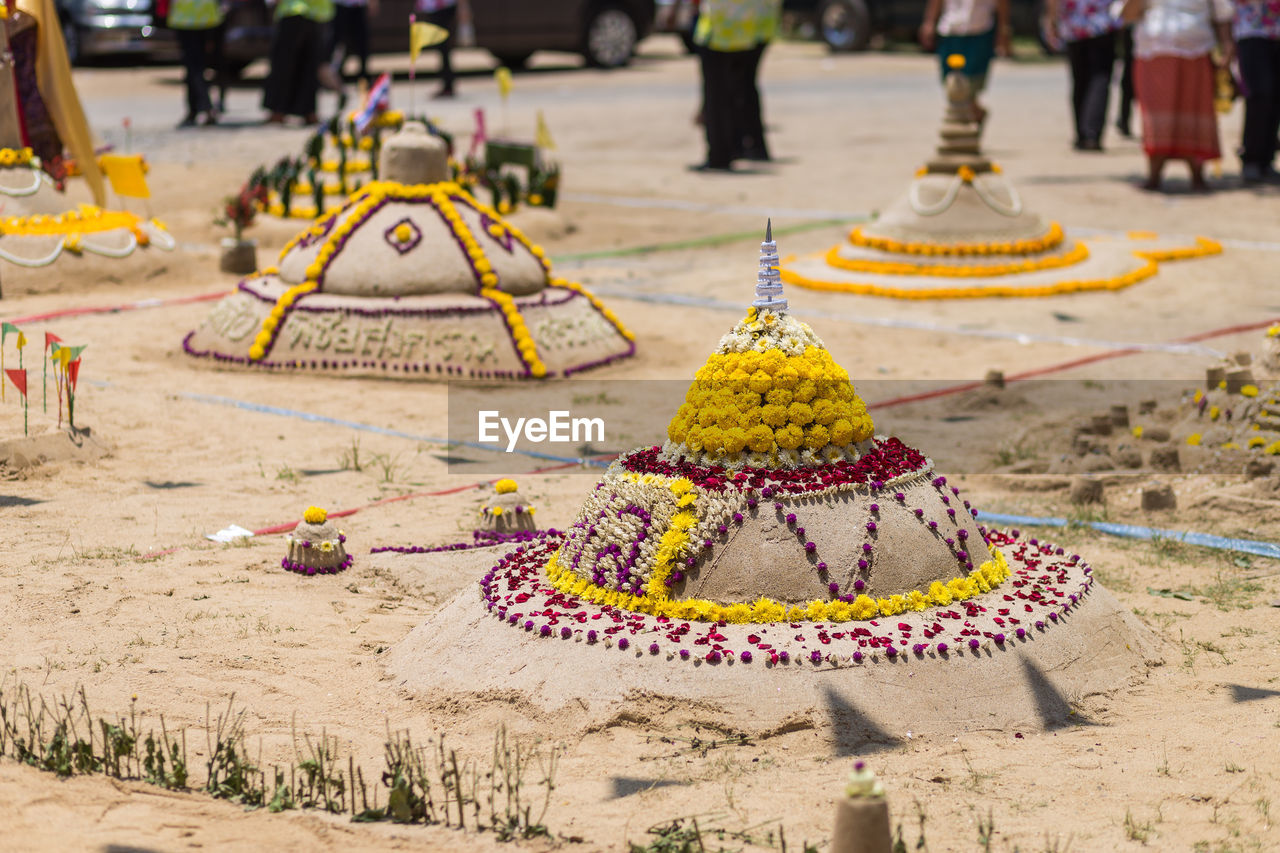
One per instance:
(611, 36)
(844, 24)
(514, 61)
(71, 35)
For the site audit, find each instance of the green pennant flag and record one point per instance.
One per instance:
(5, 329)
(67, 354)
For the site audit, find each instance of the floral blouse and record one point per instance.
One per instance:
(1257, 19)
(1082, 19)
(733, 25)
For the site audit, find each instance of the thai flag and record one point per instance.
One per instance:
(378, 99)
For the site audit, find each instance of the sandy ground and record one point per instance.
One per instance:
(109, 583)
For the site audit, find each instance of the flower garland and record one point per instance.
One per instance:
(1051, 239)
(983, 579)
(1078, 253)
(87, 219)
(16, 157)
(326, 546)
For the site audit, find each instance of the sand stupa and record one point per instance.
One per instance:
(39, 223)
(507, 516)
(316, 546)
(776, 559)
(412, 277)
(964, 230)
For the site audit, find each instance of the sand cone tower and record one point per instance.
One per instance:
(316, 546)
(963, 230)
(776, 556)
(412, 277)
(506, 514)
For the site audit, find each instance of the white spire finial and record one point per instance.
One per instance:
(768, 280)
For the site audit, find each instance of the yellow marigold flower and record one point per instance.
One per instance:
(1137, 432)
(774, 416)
(806, 390)
(761, 382)
(314, 515)
(789, 437)
(497, 510)
(1249, 390)
(1193, 439)
(841, 433)
(816, 437)
(505, 486)
(760, 439)
(799, 414)
(1273, 449)
(779, 397)
(713, 439)
(1214, 413)
(735, 440)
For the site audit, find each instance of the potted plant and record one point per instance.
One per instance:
(240, 256)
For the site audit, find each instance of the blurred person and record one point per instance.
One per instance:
(1257, 32)
(978, 30)
(194, 23)
(444, 14)
(1087, 30)
(349, 35)
(297, 41)
(1174, 80)
(731, 36)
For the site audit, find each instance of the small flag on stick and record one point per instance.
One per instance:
(542, 136)
(5, 329)
(19, 380)
(423, 35)
(49, 339)
(127, 175)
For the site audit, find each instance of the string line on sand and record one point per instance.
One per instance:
(1135, 531)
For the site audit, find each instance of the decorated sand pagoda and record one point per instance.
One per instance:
(412, 276)
(41, 120)
(776, 555)
(964, 230)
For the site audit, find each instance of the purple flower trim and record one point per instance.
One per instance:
(482, 539)
(286, 563)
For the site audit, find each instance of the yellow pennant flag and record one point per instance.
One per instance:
(127, 174)
(542, 136)
(423, 35)
(22, 340)
(502, 75)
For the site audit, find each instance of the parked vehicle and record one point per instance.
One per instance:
(848, 24)
(112, 28)
(605, 32)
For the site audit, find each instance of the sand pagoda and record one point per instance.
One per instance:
(38, 223)
(964, 230)
(414, 277)
(774, 557)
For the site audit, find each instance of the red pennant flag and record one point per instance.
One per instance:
(49, 338)
(73, 373)
(19, 379)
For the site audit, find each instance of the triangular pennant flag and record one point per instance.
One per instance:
(126, 174)
(22, 340)
(423, 35)
(19, 379)
(73, 373)
(66, 354)
(542, 136)
(50, 338)
(5, 329)
(502, 75)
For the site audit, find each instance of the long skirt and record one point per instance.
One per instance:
(293, 80)
(1176, 97)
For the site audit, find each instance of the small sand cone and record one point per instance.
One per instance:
(862, 816)
(507, 515)
(316, 546)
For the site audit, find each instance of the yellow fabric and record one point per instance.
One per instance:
(126, 175)
(53, 77)
(542, 137)
(734, 25)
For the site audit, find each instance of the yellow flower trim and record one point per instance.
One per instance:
(675, 540)
(272, 321)
(1256, 441)
(1197, 397)
(505, 486)
(1077, 254)
(763, 402)
(1230, 445)
(1151, 258)
(14, 157)
(983, 579)
(1274, 331)
(525, 346)
(1051, 238)
(1273, 449)
(87, 219)
(1214, 413)
(314, 515)
(1137, 432)
(497, 510)
(1249, 391)
(596, 303)
(1194, 439)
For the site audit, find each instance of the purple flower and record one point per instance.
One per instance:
(528, 625)
(962, 533)
(799, 531)
(999, 638)
(919, 513)
(875, 507)
(833, 587)
(713, 656)
(857, 658)
(866, 547)
(1021, 633)
(933, 525)
(891, 651)
(623, 642)
(862, 564)
(815, 656)
(737, 517)
(791, 518)
(745, 657)
(810, 547)
(942, 648)
(566, 632)
(859, 584)
(545, 630)
(684, 654)
(973, 644)
(784, 656)
(653, 648)
(822, 567)
(591, 636)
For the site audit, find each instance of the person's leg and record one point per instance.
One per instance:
(1258, 138)
(1101, 57)
(1124, 119)
(336, 38)
(717, 101)
(1273, 50)
(310, 45)
(754, 146)
(448, 19)
(193, 63)
(277, 92)
(216, 42)
(1077, 57)
(360, 38)
(1155, 171)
